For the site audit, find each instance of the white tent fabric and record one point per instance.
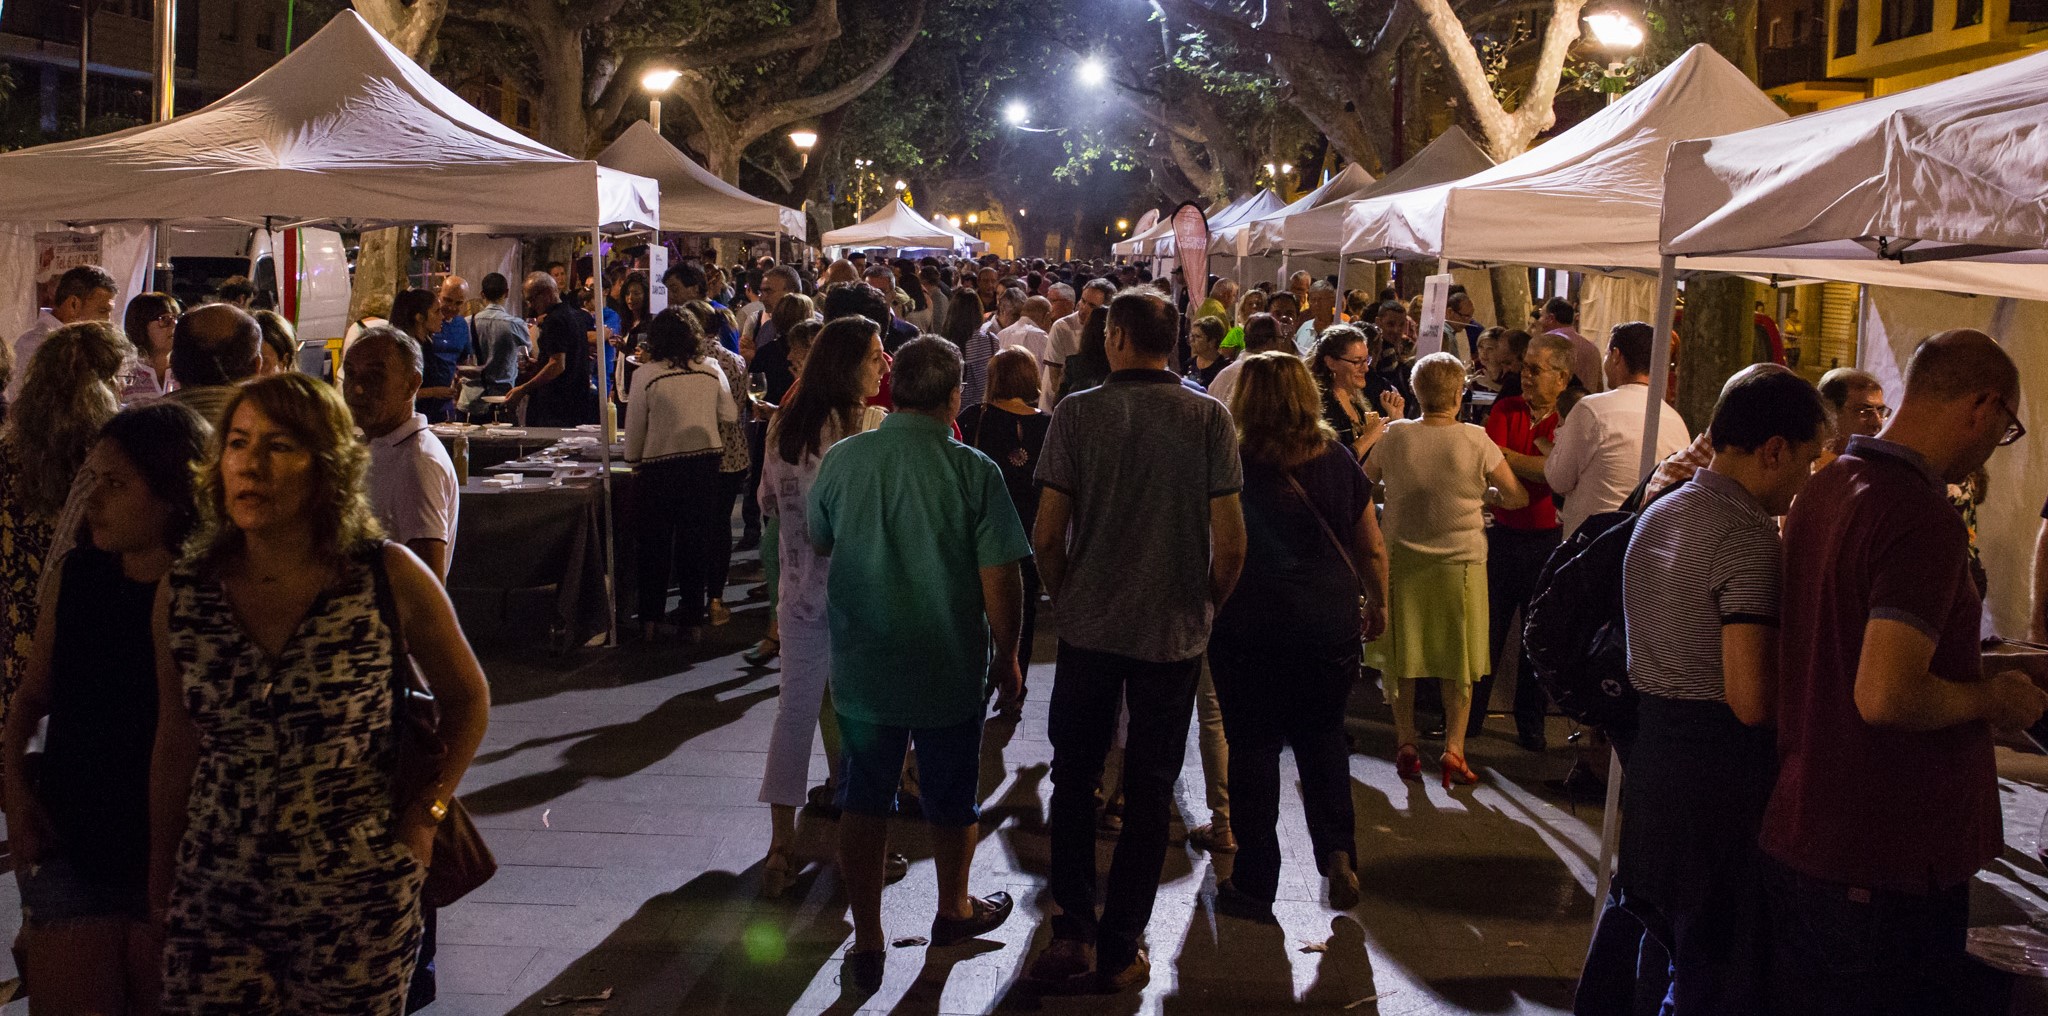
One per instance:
(894, 225)
(1147, 243)
(1255, 205)
(1944, 170)
(967, 241)
(1452, 156)
(1257, 236)
(343, 132)
(692, 199)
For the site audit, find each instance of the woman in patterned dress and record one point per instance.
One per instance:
(285, 872)
(71, 390)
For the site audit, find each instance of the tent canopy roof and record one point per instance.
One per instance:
(1451, 156)
(1256, 236)
(893, 225)
(1146, 243)
(1953, 163)
(1251, 206)
(692, 199)
(344, 131)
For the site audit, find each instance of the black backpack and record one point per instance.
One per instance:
(1572, 630)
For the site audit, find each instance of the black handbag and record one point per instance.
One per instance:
(461, 861)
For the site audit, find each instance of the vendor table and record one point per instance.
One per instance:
(535, 538)
(490, 446)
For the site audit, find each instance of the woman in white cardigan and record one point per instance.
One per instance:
(679, 398)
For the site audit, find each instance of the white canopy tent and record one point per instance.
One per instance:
(967, 241)
(1265, 233)
(692, 199)
(893, 225)
(345, 132)
(1452, 156)
(1146, 242)
(1946, 171)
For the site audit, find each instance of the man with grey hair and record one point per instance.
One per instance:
(1034, 317)
(559, 394)
(412, 480)
(1063, 339)
(924, 601)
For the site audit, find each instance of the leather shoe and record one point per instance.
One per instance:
(862, 971)
(989, 914)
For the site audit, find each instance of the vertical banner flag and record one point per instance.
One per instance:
(1436, 298)
(1191, 249)
(657, 266)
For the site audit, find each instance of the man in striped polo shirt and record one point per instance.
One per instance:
(1700, 593)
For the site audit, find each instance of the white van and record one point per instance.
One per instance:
(312, 264)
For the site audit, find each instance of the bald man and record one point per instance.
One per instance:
(213, 349)
(1887, 802)
(446, 350)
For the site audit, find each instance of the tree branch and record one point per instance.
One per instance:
(792, 110)
(1537, 111)
(819, 27)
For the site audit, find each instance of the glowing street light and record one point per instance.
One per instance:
(1621, 35)
(973, 218)
(1123, 225)
(954, 222)
(654, 83)
(1092, 72)
(901, 186)
(1016, 114)
(804, 141)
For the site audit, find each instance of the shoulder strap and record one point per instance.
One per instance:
(387, 602)
(1342, 551)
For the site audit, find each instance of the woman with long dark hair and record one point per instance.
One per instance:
(908, 284)
(1088, 367)
(150, 322)
(965, 328)
(79, 831)
(1008, 428)
(285, 867)
(843, 371)
(676, 437)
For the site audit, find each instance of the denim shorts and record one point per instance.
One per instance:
(55, 890)
(948, 769)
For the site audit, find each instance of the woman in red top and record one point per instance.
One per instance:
(1521, 539)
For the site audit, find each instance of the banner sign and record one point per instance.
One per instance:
(1191, 249)
(1436, 298)
(657, 266)
(57, 253)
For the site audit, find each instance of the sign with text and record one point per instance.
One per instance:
(657, 266)
(57, 253)
(1191, 249)
(1436, 295)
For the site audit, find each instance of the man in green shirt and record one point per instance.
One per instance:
(924, 601)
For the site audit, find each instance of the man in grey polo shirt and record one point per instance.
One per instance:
(1139, 536)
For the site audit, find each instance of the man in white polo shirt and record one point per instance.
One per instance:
(1597, 458)
(412, 480)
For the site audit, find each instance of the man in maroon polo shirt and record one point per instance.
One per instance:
(1886, 801)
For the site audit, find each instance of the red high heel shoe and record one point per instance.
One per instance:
(1408, 762)
(1456, 771)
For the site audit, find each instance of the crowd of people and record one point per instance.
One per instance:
(212, 565)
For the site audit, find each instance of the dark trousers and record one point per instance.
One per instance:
(420, 993)
(1837, 951)
(1030, 629)
(1514, 557)
(729, 485)
(750, 492)
(1627, 971)
(676, 514)
(1087, 689)
(1281, 694)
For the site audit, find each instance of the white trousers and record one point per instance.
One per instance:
(806, 673)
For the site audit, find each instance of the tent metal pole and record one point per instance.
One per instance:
(604, 437)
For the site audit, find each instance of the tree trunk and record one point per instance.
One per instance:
(559, 114)
(380, 272)
(1511, 296)
(1718, 338)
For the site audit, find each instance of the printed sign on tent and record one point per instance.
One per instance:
(1436, 297)
(57, 253)
(1191, 248)
(657, 266)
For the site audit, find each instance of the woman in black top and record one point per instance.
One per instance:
(1009, 429)
(1205, 340)
(1285, 646)
(1341, 365)
(80, 830)
(1088, 366)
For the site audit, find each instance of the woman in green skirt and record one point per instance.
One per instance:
(1439, 476)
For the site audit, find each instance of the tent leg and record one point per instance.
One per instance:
(606, 431)
(1282, 281)
(1340, 280)
(1660, 357)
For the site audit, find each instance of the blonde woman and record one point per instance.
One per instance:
(1440, 476)
(1285, 646)
(284, 869)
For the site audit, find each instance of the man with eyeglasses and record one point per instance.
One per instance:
(1856, 400)
(1887, 800)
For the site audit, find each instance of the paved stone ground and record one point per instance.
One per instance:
(618, 789)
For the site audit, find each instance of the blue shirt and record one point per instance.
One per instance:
(909, 517)
(445, 349)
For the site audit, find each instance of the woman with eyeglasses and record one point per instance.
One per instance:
(150, 322)
(1342, 364)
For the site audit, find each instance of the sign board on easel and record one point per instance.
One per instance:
(657, 266)
(1436, 296)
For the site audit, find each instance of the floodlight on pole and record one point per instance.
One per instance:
(1016, 114)
(1092, 72)
(1616, 31)
(804, 141)
(655, 82)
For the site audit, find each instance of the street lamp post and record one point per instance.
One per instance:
(1621, 36)
(655, 82)
(804, 141)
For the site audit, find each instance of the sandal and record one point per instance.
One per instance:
(1456, 771)
(765, 650)
(1408, 762)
